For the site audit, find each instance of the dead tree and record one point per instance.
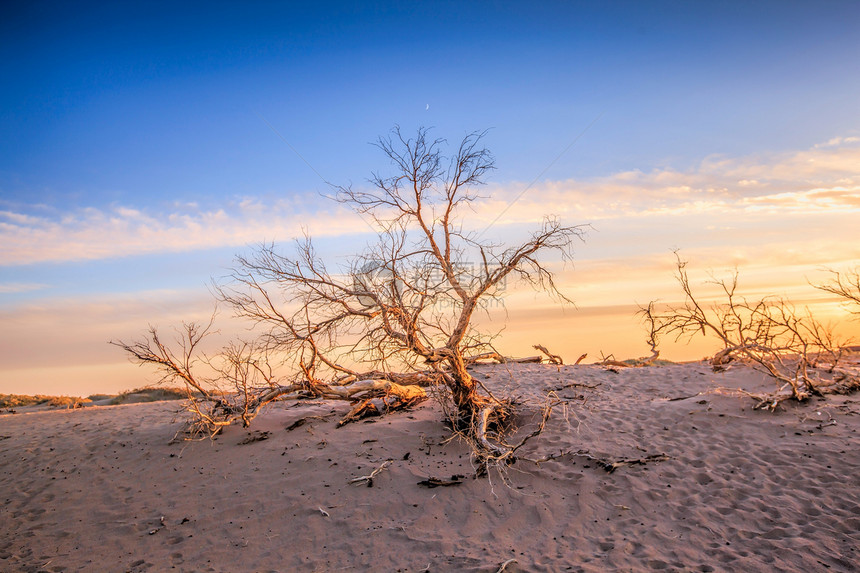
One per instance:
(394, 320)
(790, 346)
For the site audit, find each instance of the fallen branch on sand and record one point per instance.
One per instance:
(371, 393)
(494, 357)
(608, 465)
(578, 385)
(611, 466)
(553, 358)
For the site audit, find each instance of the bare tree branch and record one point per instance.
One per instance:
(845, 285)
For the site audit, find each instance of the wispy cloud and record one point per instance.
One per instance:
(12, 288)
(93, 233)
(836, 141)
(823, 179)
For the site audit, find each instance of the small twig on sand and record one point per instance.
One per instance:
(369, 478)
(432, 482)
(578, 385)
(505, 565)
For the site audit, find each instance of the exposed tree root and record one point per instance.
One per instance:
(362, 409)
(486, 429)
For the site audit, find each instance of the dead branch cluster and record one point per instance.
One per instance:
(846, 287)
(386, 330)
(800, 353)
(239, 383)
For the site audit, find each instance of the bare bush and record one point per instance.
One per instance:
(791, 346)
(652, 339)
(396, 321)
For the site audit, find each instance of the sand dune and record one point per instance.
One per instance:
(100, 489)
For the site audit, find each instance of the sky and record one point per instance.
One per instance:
(145, 144)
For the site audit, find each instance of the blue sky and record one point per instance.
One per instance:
(140, 105)
(137, 155)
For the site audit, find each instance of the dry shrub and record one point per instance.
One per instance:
(800, 353)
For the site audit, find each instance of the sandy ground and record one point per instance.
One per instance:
(100, 489)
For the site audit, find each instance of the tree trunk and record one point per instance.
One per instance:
(463, 388)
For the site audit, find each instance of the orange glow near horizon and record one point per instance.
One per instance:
(598, 331)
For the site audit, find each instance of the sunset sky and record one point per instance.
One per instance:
(144, 145)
